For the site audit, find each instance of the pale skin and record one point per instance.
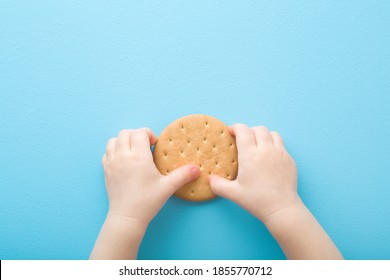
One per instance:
(266, 186)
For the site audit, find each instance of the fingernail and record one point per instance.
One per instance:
(195, 171)
(231, 130)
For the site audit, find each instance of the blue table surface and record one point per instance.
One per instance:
(74, 73)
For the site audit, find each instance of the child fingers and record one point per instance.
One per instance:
(262, 135)
(104, 159)
(110, 148)
(223, 187)
(244, 137)
(231, 130)
(151, 135)
(181, 176)
(278, 141)
(142, 139)
(123, 141)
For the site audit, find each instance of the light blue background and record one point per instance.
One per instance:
(73, 73)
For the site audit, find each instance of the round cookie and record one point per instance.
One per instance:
(202, 140)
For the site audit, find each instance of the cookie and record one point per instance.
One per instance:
(202, 140)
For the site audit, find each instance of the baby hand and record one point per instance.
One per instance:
(135, 187)
(267, 176)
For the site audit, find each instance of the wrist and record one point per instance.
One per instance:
(300, 235)
(119, 238)
(276, 206)
(291, 211)
(280, 222)
(125, 223)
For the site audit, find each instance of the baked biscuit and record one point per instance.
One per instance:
(202, 140)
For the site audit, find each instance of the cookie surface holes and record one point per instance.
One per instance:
(203, 141)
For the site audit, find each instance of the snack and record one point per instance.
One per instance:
(202, 140)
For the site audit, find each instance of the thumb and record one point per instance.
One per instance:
(223, 187)
(181, 176)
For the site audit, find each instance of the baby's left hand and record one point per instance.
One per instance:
(136, 189)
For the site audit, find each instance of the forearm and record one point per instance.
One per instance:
(300, 235)
(119, 238)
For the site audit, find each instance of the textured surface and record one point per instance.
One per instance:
(73, 73)
(202, 140)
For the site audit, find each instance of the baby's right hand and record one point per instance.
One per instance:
(266, 183)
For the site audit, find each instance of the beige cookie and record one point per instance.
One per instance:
(201, 140)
